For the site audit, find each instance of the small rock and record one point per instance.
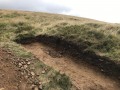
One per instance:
(25, 66)
(33, 86)
(28, 63)
(102, 70)
(40, 87)
(26, 60)
(20, 64)
(28, 74)
(40, 83)
(43, 71)
(26, 77)
(22, 67)
(32, 73)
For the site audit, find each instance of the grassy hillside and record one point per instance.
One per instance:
(101, 38)
(13, 26)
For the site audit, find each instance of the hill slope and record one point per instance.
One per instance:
(93, 42)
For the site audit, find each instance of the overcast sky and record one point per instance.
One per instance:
(103, 10)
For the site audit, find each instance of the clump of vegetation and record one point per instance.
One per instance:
(118, 32)
(22, 26)
(3, 26)
(24, 37)
(62, 80)
(11, 15)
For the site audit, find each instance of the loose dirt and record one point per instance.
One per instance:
(11, 77)
(82, 75)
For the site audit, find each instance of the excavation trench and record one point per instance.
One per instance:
(85, 69)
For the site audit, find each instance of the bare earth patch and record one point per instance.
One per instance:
(10, 75)
(83, 76)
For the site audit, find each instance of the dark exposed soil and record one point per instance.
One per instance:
(104, 64)
(86, 70)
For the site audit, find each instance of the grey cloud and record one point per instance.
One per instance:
(33, 5)
(56, 8)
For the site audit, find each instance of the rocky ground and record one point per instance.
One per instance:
(15, 73)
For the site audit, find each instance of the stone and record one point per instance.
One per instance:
(28, 63)
(32, 73)
(40, 83)
(25, 66)
(26, 77)
(40, 87)
(102, 70)
(20, 64)
(26, 60)
(32, 86)
(43, 71)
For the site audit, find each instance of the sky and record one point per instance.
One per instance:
(103, 10)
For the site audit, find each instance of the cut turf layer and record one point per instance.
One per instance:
(104, 64)
(68, 49)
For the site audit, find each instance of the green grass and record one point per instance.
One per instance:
(51, 79)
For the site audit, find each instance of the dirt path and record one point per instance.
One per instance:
(82, 75)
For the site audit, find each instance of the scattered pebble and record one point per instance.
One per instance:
(40, 83)
(32, 73)
(25, 66)
(28, 63)
(26, 60)
(102, 70)
(43, 71)
(40, 87)
(20, 65)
